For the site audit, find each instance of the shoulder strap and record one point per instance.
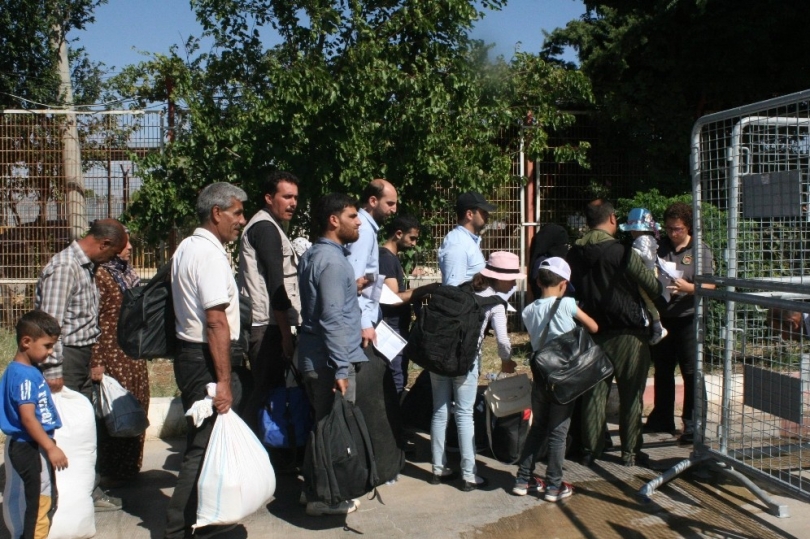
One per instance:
(550, 318)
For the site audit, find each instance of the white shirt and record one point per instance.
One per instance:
(202, 278)
(497, 315)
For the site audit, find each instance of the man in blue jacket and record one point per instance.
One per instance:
(330, 342)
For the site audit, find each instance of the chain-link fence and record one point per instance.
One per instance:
(751, 177)
(58, 172)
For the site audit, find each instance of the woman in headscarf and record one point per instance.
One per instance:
(119, 459)
(551, 240)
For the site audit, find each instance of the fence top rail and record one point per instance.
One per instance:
(752, 108)
(82, 112)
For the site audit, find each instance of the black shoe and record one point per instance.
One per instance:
(587, 460)
(687, 438)
(640, 459)
(447, 475)
(472, 485)
(206, 532)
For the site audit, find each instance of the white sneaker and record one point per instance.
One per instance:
(317, 509)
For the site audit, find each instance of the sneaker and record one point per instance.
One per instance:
(446, 475)
(554, 494)
(208, 532)
(657, 336)
(477, 482)
(393, 481)
(317, 509)
(103, 501)
(535, 484)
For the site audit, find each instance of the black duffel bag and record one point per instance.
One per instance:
(570, 364)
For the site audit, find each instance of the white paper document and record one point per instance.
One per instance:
(389, 342)
(388, 297)
(374, 290)
(669, 268)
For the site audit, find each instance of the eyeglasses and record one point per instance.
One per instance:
(676, 229)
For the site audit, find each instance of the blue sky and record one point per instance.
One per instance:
(124, 27)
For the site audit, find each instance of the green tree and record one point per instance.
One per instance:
(657, 66)
(354, 91)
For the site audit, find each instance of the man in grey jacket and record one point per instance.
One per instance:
(329, 350)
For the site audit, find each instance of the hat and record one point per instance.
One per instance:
(503, 266)
(640, 219)
(557, 265)
(473, 201)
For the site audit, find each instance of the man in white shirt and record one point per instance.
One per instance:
(379, 201)
(206, 308)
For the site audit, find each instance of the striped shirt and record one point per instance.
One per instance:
(67, 291)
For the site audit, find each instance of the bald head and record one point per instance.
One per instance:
(379, 199)
(105, 239)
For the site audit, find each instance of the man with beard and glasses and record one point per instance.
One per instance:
(330, 341)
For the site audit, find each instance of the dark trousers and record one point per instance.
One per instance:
(677, 349)
(550, 421)
(630, 355)
(193, 369)
(319, 385)
(267, 368)
(31, 464)
(76, 369)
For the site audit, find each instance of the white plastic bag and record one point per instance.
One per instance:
(75, 514)
(236, 478)
(123, 415)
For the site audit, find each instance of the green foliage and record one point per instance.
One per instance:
(29, 32)
(354, 91)
(657, 66)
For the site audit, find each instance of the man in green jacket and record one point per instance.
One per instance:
(606, 275)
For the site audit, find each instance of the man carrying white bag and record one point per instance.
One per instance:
(237, 478)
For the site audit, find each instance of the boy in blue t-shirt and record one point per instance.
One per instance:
(550, 420)
(29, 418)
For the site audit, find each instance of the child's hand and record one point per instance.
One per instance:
(508, 366)
(57, 458)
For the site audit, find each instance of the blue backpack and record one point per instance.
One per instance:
(285, 420)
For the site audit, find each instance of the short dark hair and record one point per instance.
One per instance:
(36, 324)
(269, 180)
(327, 206)
(111, 229)
(401, 222)
(375, 189)
(547, 278)
(682, 211)
(598, 212)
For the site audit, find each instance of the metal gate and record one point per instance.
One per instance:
(42, 184)
(751, 185)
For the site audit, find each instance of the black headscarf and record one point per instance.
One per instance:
(551, 240)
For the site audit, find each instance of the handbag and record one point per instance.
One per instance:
(509, 415)
(570, 364)
(510, 395)
(123, 415)
(285, 420)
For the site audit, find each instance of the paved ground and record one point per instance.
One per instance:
(605, 505)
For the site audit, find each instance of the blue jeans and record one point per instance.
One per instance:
(550, 422)
(462, 390)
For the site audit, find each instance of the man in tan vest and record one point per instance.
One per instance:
(268, 274)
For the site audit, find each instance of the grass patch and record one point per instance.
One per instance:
(8, 347)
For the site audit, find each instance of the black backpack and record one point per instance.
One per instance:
(146, 323)
(339, 460)
(444, 339)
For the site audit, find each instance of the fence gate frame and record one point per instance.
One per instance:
(763, 148)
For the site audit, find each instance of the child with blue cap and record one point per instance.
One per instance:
(644, 230)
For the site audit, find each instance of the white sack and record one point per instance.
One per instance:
(237, 478)
(75, 514)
